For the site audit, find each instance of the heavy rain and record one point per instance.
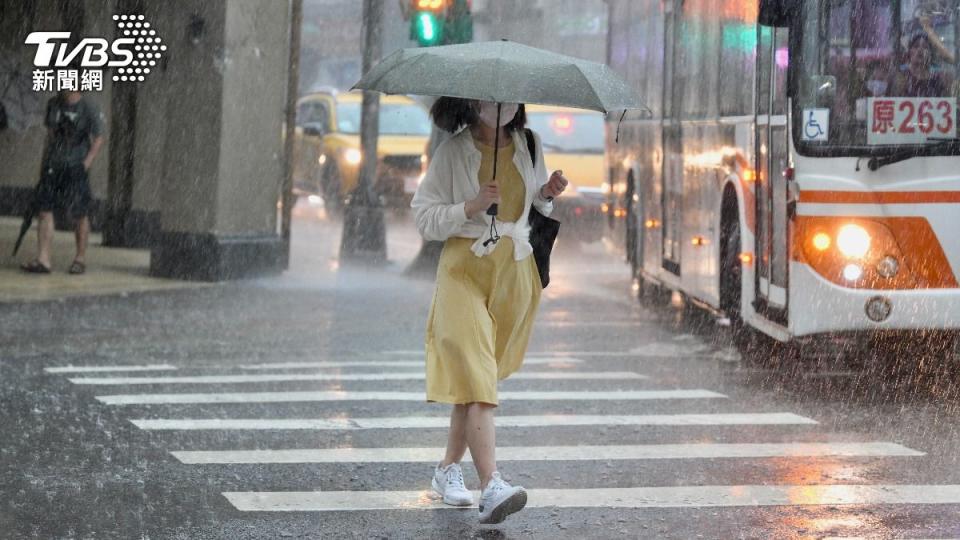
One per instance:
(479, 269)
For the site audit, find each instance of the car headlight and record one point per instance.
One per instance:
(353, 156)
(853, 241)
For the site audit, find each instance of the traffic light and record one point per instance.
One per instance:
(426, 21)
(440, 22)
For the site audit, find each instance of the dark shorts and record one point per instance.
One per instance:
(65, 188)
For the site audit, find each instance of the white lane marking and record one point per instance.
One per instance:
(639, 497)
(336, 377)
(286, 397)
(386, 363)
(98, 369)
(426, 422)
(552, 453)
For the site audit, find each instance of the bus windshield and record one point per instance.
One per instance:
(395, 119)
(876, 75)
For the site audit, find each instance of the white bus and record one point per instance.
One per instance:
(800, 173)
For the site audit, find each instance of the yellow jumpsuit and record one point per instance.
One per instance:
(483, 307)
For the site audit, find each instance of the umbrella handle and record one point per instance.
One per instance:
(494, 208)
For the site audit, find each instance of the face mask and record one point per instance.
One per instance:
(877, 87)
(488, 113)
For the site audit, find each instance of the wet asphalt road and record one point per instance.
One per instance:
(75, 466)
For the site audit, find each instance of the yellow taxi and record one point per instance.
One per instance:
(331, 121)
(573, 141)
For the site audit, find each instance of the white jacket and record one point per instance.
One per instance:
(451, 180)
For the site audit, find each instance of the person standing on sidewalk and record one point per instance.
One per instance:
(74, 138)
(488, 288)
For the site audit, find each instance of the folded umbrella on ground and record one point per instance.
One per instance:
(24, 227)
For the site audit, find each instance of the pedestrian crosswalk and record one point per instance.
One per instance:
(624, 399)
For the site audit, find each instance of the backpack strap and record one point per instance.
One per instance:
(531, 146)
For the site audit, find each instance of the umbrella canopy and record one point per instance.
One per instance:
(503, 72)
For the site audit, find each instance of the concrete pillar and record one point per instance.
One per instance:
(222, 157)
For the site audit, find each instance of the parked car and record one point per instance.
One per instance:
(573, 141)
(332, 119)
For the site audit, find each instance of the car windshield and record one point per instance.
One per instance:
(877, 74)
(570, 133)
(395, 119)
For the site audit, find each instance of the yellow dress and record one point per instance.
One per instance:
(483, 307)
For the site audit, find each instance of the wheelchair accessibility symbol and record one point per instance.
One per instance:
(816, 124)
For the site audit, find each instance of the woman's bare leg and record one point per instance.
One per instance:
(82, 237)
(457, 437)
(44, 237)
(482, 440)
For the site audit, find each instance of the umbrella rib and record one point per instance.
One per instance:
(586, 79)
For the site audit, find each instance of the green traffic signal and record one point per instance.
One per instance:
(427, 28)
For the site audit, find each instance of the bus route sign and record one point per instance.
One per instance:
(899, 120)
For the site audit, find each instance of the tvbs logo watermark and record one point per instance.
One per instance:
(132, 56)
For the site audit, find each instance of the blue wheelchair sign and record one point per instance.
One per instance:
(816, 124)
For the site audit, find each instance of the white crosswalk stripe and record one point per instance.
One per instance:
(104, 369)
(639, 497)
(566, 367)
(549, 361)
(428, 422)
(337, 377)
(552, 453)
(342, 395)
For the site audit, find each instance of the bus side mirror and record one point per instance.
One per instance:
(777, 13)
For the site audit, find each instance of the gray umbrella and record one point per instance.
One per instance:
(502, 72)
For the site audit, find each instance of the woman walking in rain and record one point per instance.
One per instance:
(488, 288)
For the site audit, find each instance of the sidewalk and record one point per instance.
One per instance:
(109, 270)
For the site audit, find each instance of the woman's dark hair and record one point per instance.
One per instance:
(451, 114)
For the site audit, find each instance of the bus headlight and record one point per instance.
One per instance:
(853, 241)
(821, 241)
(353, 156)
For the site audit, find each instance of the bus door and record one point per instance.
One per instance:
(772, 160)
(672, 177)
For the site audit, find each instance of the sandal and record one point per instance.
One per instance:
(35, 267)
(77, 268)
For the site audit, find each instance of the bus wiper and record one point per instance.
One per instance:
(940, 144)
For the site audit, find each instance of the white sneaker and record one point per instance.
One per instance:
(448, 483)
(500, 499)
